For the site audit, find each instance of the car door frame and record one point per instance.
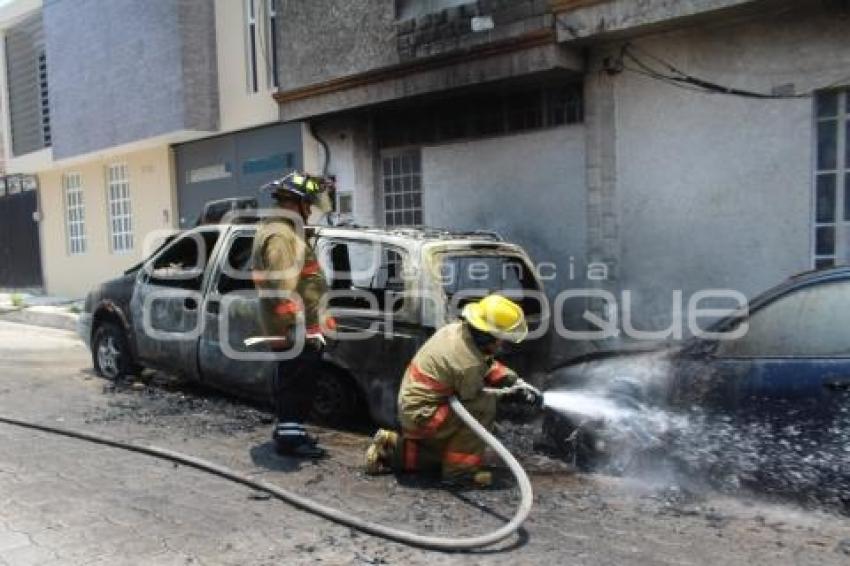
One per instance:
(175, 354)
(397, 341)
(222, 372)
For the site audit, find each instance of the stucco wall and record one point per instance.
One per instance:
(151, 198)
(326, 39)
(713, 190)
(148, 70)
(529, 187)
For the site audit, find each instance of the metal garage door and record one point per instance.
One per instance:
(20, 259)
(233, 165)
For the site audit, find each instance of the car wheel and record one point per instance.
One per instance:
(336, 400)
(111, 352)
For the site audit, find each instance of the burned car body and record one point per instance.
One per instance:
(785, 382)
(188, 309)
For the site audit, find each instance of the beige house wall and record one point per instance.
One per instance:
(240, 108)
(152, 204)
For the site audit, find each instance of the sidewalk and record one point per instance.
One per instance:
(40, 310)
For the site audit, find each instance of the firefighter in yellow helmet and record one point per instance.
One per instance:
(457, 360)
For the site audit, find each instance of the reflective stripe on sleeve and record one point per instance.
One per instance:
(431, 383)
(496, 374)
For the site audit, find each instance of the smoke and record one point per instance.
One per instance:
(786, 452)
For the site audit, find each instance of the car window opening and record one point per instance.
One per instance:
(476, 276)
(368, 271)
(181, 264)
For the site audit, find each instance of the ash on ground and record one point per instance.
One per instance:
(162, 401)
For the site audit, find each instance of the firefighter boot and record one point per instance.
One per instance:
(378, 455)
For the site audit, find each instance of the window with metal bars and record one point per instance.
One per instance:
(401, 177)
(120, 211)
(75, 213)
(481, 114)
(831, 239)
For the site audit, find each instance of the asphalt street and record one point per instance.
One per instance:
(69, 502)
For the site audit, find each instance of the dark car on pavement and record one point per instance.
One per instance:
(188, 309)
(786, 380)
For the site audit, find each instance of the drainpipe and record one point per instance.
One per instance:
(311, 127)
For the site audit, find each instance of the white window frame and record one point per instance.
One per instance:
(272, 24)
(251, 8)
(402, 186)
(119, 208)
(840, 222)
(75, 213)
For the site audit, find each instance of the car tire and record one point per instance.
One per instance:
(336, 400)
(110, 350)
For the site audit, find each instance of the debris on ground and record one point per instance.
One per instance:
(165, 402)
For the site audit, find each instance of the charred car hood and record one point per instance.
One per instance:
(650, 370)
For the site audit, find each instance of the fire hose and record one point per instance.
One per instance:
(335, 515)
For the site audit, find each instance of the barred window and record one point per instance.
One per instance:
(481, 114)
(75, 213)
(120, 211)
(402, 183)
(831, 222)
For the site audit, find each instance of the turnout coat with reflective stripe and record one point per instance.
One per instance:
(449, 363)
(282, 261)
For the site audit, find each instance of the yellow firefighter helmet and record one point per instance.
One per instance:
(498, 316)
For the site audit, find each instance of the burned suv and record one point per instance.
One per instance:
(188, 309)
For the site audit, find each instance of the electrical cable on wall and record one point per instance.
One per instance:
(678, 78)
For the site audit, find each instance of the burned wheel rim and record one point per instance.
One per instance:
(333, 400)
(109, 356)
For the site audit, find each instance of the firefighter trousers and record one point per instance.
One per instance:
(444, 443)
(293, 389)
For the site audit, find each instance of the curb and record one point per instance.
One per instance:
(61, 321)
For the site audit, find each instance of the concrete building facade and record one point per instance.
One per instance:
(666, 186)
(429, 122)
(693, 189)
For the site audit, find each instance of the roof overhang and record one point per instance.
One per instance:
(584, 21)
(532, 53)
